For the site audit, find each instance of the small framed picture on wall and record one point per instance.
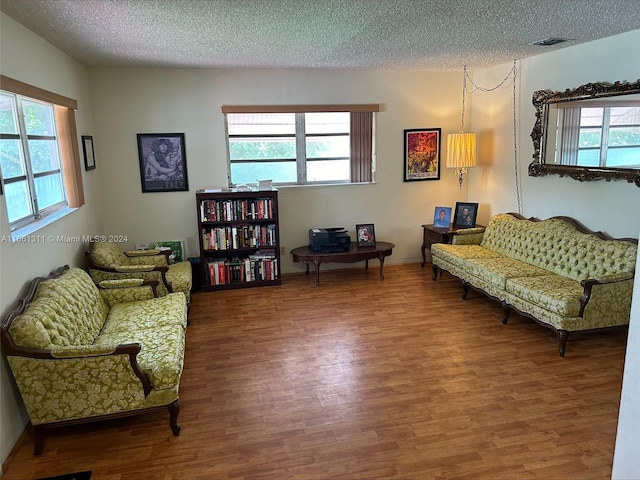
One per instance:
(421, 154)
(89, 154)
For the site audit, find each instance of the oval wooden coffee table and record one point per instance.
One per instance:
(354, 254)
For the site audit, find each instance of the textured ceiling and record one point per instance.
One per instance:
(327, 34)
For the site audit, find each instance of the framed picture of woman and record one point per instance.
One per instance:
(163, 162)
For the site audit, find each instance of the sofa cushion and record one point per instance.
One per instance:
(169, 310)
(162, 353)
(498, 270)
(67, 310)
(155, 324)
(555, 293)
(459, 254)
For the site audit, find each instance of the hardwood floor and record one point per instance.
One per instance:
(362, 379)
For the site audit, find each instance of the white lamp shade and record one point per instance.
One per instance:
(461, 150)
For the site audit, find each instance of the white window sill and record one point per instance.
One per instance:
(321, 185)
(21, 235)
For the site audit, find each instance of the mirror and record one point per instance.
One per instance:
(589, 133)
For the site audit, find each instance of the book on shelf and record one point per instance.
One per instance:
(250, 269)
(238, 237)
(235, 210)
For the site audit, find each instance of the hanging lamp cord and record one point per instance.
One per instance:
(512, 74)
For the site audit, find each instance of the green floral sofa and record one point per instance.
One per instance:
(80, 353)
(555, 271)
(106, 261)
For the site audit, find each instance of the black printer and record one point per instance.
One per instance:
(329, 240)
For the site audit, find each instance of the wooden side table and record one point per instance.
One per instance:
(354, 254)
(431, 235)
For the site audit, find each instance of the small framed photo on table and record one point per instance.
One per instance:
(442, 217)
(366, 235)
(466, 214)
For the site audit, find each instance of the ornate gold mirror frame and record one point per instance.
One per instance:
(543, 99)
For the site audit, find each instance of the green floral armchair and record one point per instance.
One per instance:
(79, 352)
(106, 261)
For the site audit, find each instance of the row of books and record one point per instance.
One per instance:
(242, 236)
(251, 269)
(230, 210)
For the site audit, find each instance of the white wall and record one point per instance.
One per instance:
(608, 206)
(625, 459)
(28, 58)
(599, 205)
(131, 101)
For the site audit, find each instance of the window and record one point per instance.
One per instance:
(38, 158)
(601, 136)
(609, 137)
(300, 145)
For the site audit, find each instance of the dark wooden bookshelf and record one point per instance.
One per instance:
(239, 238)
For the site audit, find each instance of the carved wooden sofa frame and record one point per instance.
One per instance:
(125, 356)
(585, 315)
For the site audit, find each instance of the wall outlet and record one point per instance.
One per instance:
(282, 250)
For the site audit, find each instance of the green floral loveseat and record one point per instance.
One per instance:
(554, 271)
(80, 353)
(106, 261)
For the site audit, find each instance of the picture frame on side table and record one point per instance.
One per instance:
(421, 154)
(366, 235)
(466, 214)
(442, 217)
(163, 162)
(89, 154)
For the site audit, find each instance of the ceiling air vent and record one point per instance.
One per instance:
(547, 42)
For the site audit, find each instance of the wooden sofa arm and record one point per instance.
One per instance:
(150, 253)
(467, 236)
(608, 281)
(127, 290)
(131, 268)
(84, 378)
(162, 269)
(79, 352)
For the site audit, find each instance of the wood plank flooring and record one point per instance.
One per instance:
(362, 379)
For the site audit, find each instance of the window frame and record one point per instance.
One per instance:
(68, 152)
(358, 155)
(571, 128)
(29, 176)
(605, 127)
